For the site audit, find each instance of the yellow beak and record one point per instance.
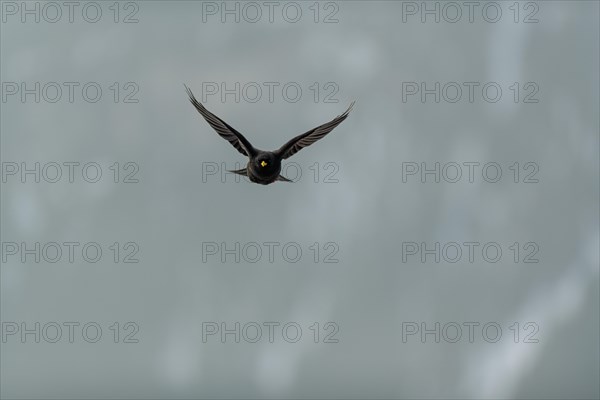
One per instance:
(263, 163)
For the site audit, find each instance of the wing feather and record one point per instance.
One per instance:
(227, 132)
(306, 139)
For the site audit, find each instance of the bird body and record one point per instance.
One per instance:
(264, 167)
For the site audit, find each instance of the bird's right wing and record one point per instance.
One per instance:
(306, 139)
(222, 128)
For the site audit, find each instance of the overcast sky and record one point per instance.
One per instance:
(442, 242)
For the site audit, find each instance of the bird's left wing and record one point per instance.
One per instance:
(225, 130)
(306, 139)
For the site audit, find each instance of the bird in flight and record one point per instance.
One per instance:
(264, 167)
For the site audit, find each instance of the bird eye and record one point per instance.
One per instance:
(263, 163)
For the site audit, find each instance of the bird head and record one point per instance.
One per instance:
(267, 162)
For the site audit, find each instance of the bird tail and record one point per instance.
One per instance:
(283, 178)
(242, 171)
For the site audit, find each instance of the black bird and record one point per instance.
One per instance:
(264, 167)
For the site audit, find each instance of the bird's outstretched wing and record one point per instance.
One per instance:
(222, 128)
(308, 138)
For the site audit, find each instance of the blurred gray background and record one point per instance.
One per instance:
(369, 213)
